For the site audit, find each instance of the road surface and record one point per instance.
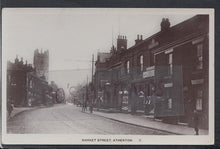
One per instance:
(68, 119)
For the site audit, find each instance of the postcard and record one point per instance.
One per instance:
(113, 76)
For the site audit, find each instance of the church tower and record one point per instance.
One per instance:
(41, 63)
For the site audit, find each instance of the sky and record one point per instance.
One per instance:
(73, 35)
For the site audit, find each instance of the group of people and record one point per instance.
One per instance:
(84, 106)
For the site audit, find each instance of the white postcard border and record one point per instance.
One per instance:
(63, 139)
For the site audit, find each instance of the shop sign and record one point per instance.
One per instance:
(150, 68)
(149, 73)
(168, 85)
(197, 40)
(198, 81)
(168, 51)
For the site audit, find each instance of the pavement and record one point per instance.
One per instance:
(19, 110)
(148, 122)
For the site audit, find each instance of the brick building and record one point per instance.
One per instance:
(27, 85)
(16, 82)
(170, 66)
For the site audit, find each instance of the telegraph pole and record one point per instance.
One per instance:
(93, 90)
(87, 89)
(92, 67)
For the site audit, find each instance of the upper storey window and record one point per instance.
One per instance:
(141, 59)
(128, 67)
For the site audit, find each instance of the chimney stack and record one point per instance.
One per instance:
(139, 39)
(165, 24)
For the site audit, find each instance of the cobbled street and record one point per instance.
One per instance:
(69, 119)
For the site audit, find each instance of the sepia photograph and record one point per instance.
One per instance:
(107, 76)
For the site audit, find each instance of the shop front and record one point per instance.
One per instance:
(145, 86)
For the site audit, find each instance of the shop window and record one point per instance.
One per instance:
(199, 57)
(199, 100)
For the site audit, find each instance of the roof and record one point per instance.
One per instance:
(195, 25)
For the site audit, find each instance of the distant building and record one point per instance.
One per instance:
(171, 65)
(27, 85)
(17, 82)
(41, 63)
(101, 76)
(39, 91)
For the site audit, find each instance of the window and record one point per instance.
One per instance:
(199, 100)
(199, 57)
(128, 67)
(141, 62)
(31, 84)
(169, 103)
(170, 64)
(9, 78)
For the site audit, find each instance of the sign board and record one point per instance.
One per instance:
(198, 81)
(150, 68)
(197, 40)
(168, 85)
(150, 72)
(168, 51)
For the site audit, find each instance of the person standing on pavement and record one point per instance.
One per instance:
(9, 108)
(84, 103)
(196, 122)
(133, 99)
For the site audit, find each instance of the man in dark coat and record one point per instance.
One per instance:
(196, 121)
